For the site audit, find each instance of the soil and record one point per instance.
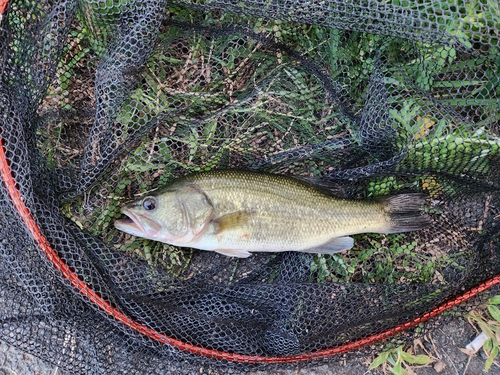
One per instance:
(443, 344)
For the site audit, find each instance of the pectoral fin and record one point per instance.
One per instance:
(335, 246)
(234, 253)
(233, 220)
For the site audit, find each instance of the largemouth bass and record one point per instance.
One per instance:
(236, 212)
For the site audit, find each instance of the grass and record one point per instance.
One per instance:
(229, 100)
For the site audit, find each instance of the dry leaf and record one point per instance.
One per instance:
(409, 370)
(439, 366)
(418, 343)
(469, 352)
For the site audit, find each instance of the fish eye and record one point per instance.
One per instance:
(149, 203)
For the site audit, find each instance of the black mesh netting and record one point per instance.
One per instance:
(103, 99)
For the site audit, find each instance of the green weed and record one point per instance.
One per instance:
(397, 360)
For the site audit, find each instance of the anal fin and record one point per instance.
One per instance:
(234, 253)
(334, 246)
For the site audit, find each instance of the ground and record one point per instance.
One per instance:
(442, 343)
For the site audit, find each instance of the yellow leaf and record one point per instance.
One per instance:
(430, 184)
(425, 124)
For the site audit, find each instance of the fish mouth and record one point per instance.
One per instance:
(137, 225)
(130, 224)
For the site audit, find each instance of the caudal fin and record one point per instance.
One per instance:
(405, 212)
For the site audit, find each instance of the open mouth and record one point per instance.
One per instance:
(138, 225)
(126, 221)
(130, 225)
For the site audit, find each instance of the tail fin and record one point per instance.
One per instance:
(405, 212)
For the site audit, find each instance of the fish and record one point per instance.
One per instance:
(236, 212)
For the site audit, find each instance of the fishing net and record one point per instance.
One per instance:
(101, 100)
